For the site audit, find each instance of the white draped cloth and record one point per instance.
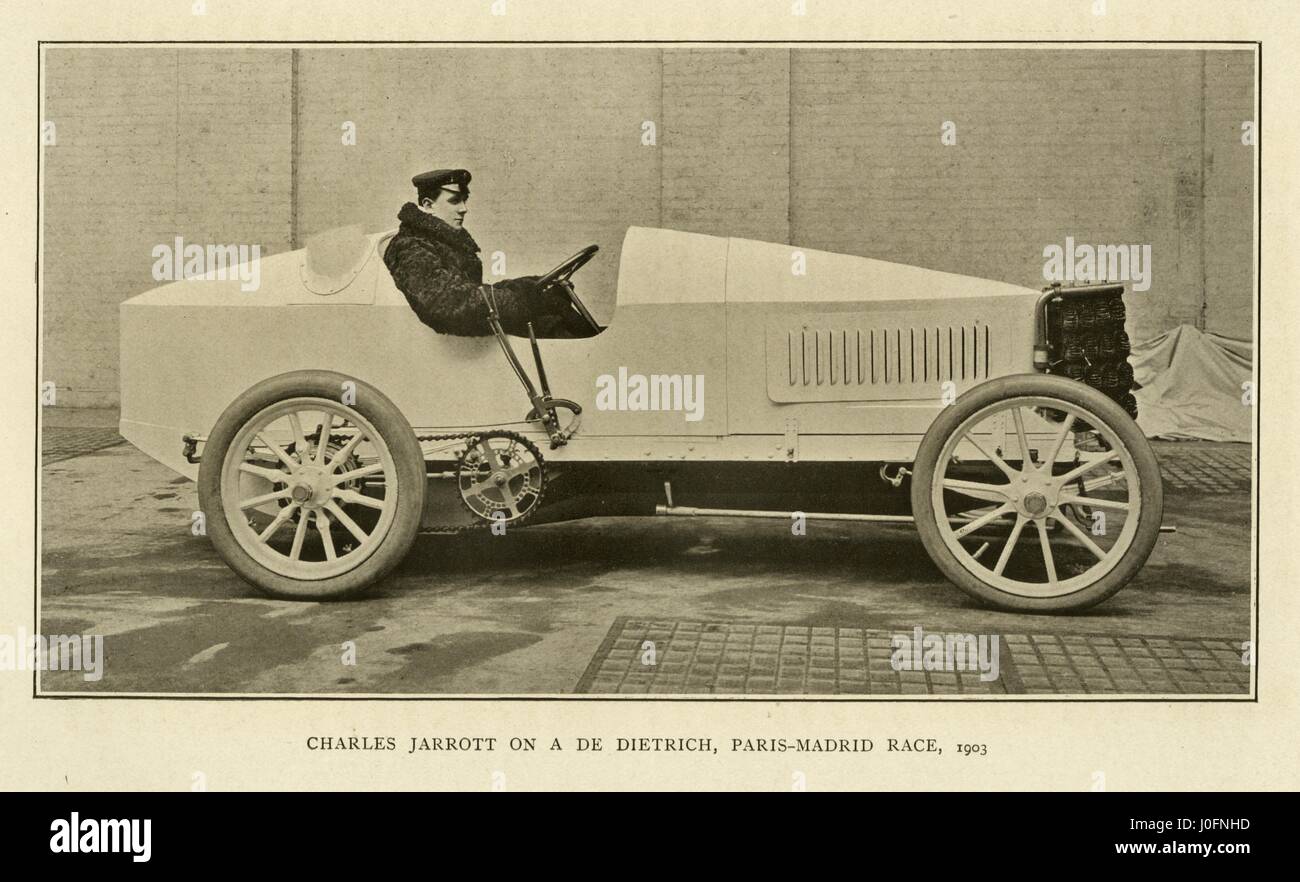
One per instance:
(1192, 386)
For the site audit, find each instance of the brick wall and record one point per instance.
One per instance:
(151, 144)
(836, 149)
(1229, 188)
(1109, 148)
(726, 142)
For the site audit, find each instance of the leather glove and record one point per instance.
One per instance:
(555, 300)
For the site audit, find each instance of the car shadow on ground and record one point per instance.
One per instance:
(703, 546)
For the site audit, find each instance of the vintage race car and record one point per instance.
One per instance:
(327, 426)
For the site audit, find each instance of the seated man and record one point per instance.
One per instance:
(435, 264)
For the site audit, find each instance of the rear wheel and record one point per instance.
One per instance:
(1037, 493)
(308, 497)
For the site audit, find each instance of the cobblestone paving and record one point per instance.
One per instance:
(1044, 663)
(1209, 468)
(726, 658)
(64, 443)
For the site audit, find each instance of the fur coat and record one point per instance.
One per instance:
(437, 267)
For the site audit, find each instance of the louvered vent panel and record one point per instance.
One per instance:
(844, 361)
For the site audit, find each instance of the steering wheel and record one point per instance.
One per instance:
(561, 275)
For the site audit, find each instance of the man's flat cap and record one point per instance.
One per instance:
(454, 179)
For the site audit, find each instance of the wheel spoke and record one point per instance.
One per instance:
(988, 492)
(322, 441)
(284, 515)
(993, 457)
(1020, 437)
(298, 535)
(1047, 552)
(359, 499)
(1094, 502)
(1010, 546)
(275, 476)
(346, 521)
(981, 521)
(299, 440)
(343, 454)
(372, 469)
(1087, 467)
(1058, 442)
(323, 527)
(278, 451)
(264, 498)
(1083, 538)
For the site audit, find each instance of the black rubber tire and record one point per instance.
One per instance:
(407, 459)
(1073, 392)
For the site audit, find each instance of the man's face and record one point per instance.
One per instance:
(450, 207)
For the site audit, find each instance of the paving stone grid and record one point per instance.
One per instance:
(66, 442)
(1209, 469)
(748, 659)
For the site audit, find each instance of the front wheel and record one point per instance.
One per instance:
(312, 484)
(1037, 493)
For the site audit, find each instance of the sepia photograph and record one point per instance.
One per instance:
(649, 371)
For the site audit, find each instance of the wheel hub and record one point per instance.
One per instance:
(314, 486)
(1033, 493)
(1035, 504)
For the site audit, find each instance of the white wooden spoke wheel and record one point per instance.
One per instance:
(293, 489)
(308, 496)
(1037, 493)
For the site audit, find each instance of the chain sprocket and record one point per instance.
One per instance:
(501, 476)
